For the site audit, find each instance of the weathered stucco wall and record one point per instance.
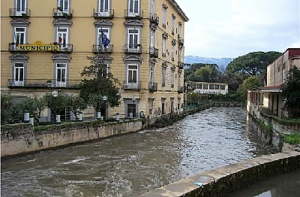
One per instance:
(24, 139)
(223, 180)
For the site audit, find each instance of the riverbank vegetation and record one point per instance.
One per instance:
(293, 139)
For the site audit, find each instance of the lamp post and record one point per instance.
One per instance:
(105, 112)
(57, 117)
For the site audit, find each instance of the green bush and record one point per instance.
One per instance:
(292, 139)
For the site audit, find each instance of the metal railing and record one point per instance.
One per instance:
(129, 13)
(16, 12)
(102, 49)
(153, 52)
(180, 40)
(180, 65)
(103, 13)
(133, 48)
(180, 89)
(65, 48)
(62, 13)
(43, 83)
(132, 85)
(152, 87)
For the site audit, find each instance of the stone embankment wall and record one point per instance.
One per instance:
(270, 129)
(224, 180)
(20, 139)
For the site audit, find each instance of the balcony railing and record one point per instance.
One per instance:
(180, 65)
(64, 48)
(103, 13)
(132, 85)
(13, 47)
(22, 13)
(102, 49)
(152, 87)
(131, 14)
(154, 18)
(153, 52)
(180, 40)
(43, 83)
(132, 48)
(180, 89)
(62, 13)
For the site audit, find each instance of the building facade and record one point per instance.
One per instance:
(45, 44)
(208, 87)
(269, 98)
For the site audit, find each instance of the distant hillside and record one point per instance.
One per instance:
(221, 62)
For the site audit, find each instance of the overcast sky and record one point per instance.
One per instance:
(231, 28)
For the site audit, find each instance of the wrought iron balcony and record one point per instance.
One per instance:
(64, 48)
(132, 85)
(131, 14)
(153, 52)
(133, 48)
(103, 13)
(152, 87)
(13, 47)
(19, 13)
(180, 40)
(44, 83)
(62, 13)
(180, 89)
(154, 18)
(180, 65)
(102, 49)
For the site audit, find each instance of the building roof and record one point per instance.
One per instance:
(179, 10)
(271, 88)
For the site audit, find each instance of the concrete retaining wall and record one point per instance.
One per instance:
(22, 139)
(223, 180)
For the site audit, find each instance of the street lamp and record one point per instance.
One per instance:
(57, 117)
(105, 112)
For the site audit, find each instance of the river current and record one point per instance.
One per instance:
(132, 164)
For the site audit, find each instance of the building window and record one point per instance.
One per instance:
(172, 77)
(152, 7)
(164, 42)
(61, 75)
(179, 55)
(163, 105)
(133, 8)
(100, 38)
(152, 38)
(20, 7)
(172, 53)
(64, 6)
(173, 24)
(62, 37)
(205, 86)
(131, 107)
(19, 62)
(164, 73)
(164, 16)
(132, 73)
(199, 86)
(151, 77)
(222, 87)
(179, 29)
(20, 35)
(103, 7)
(150, 106)
(211, 87)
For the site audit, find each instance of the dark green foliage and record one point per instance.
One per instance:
(75, 104)
(6, 104)
(100, 83)
(204, 73)
(35, 106)
(292, 139)
(291, 92)
(55, 104)
(248, 84)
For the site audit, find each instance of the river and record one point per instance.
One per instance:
(132, 164)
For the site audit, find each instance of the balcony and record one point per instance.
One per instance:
(132, 85)
(180, 65)
(154, 18)
(64, 48)
(103, 14)
(180, 89)
(180, 40)
(133, 48)
(44, 83)
(153, 52)
(62, 13)
(17, 13)
(102, 49)
(152, 87)
(131, 14)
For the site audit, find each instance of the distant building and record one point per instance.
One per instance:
(269, 98)
(208, 88)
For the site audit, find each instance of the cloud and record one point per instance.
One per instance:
(255, 25)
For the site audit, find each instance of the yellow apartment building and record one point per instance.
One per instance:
(269, 97)
(45, 44)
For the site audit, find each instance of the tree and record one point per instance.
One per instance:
(291, 92)
(248, 84)
(75, 104)
(6, 104)
(55, 104)
(35, 106)
(253, 64)
(100, 82)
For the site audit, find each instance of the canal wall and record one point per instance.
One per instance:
(271, 130)
(23, 138)
(224, 180)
